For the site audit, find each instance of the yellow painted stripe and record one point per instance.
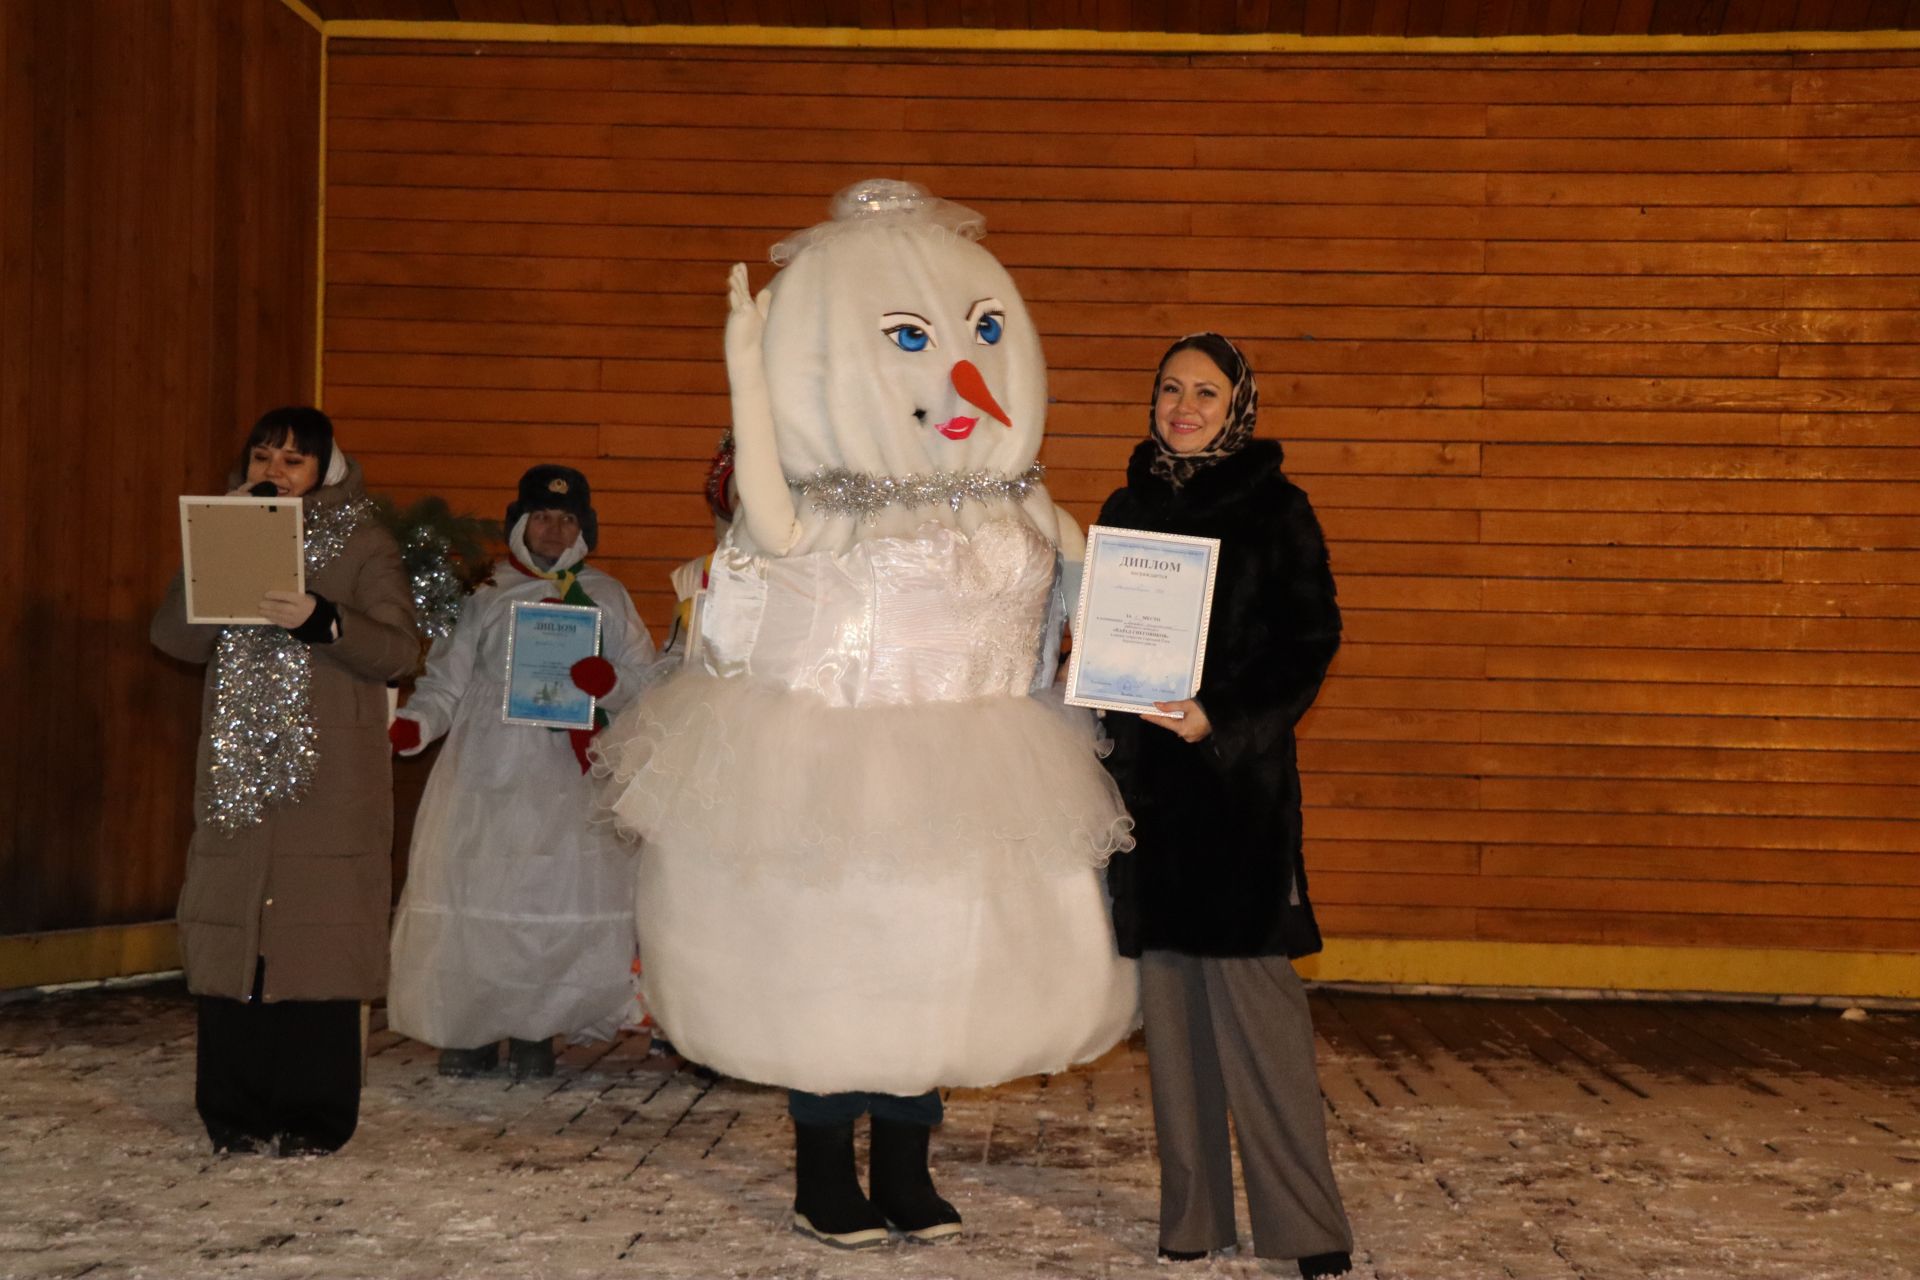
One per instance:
(1720, 970)
(1016, 41)
(320, 247)
(80, 955)
(305, 15)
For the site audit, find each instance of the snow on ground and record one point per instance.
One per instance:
(1473, 1139)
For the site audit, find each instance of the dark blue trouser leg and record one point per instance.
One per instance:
(844, 1108)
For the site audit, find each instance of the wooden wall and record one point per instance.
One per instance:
(157, 281)
(1600, 372)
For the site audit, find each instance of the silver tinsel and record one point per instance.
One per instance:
(263, 747)
(438, 592)
(856, 493)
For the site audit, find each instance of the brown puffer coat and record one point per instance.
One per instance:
(308, 888)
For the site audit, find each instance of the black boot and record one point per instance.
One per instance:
(470, 1062)
(1321, 1265)
(827, 1202)
(903, 1186)
(530, 1059)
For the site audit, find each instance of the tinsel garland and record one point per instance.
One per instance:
(263, 747)
(438, 591)
(445, 556)
(858, 493)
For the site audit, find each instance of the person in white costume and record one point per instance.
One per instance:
(873, 836)
(516, 922)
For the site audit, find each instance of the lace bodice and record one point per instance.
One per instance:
(937, 617)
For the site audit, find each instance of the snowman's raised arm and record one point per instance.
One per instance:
(765, 502)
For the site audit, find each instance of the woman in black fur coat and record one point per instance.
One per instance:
(1213, 900)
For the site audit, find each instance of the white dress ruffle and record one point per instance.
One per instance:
(870, 856)
(775, 783)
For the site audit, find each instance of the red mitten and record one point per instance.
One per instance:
(404, 734)
(594, 676)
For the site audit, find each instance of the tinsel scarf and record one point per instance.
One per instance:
(856, 493)
(263, 745)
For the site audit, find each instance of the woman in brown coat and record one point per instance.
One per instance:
(283, 918)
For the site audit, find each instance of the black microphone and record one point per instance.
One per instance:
(265, 489)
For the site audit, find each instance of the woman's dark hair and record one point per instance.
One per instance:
(310, 430)
(1213, 347)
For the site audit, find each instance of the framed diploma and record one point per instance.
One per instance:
(543, 643)
(235, 550)
(1140, 633)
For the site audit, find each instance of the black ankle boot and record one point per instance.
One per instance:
(1321, 1265)
(469, 1062)
(827, 1201)
(530, 1059)
(903, 1186)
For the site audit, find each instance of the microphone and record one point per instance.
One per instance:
(265, 489)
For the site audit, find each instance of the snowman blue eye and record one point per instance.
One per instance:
(988, 330)
(908, 331)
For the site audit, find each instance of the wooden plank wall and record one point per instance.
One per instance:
(1600, 372)
(157, 282)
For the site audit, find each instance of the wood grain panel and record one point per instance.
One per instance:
(157, 276)
(1599, 372)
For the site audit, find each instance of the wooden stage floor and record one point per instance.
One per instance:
(1474, 1138)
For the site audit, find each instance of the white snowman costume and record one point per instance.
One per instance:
(872, 834)
(517, 916)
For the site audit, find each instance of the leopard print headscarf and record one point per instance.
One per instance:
(1242, 410)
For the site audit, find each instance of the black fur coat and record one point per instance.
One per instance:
(1217, 871)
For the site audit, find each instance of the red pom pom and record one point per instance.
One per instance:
(594, 676)
(404, 734)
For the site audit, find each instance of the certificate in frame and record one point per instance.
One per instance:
(235, 549)
(1140, 633)
(543, 643)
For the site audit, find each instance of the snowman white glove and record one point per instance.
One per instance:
(765, 502)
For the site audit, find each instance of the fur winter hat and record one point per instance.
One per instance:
(549, 487)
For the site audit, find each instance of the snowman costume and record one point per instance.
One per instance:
(873, 832)
(517, 917)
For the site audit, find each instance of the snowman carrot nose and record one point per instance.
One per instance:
(968, 382)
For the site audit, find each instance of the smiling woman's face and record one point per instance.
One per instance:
(283, 466)
(1190, 408)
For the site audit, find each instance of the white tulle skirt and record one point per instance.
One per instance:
(887, 899)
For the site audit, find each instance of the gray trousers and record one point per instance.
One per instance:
(1234, 1035)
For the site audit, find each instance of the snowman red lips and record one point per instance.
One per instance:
(973, 389)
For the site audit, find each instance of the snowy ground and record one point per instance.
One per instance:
(1473, 1139)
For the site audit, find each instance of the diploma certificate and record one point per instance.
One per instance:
(543, 643)
(1140, 634)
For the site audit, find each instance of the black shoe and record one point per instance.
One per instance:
(827, 1202)
(298, 1144)
(903, 1187)
(530, 1059)
(1182, 1255)
(232, 1142)
(469, 1062)
(1325, 1264)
